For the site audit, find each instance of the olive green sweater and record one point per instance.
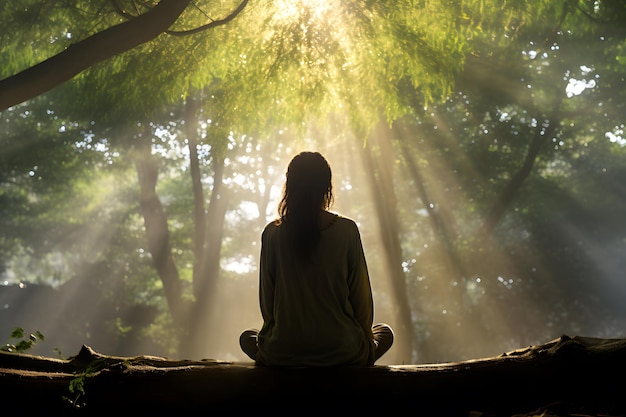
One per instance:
(317, 312)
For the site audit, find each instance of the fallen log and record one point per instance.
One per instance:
(575, 375)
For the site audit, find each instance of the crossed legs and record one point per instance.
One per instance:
(383, 339)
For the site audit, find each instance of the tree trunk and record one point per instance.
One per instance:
(439, 227)
(482, 76)
(157, 231)
(507, 195)
(379, 164)
(199, 215)
(214, 231)
(206, 278)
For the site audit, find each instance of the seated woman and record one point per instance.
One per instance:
(315, 293)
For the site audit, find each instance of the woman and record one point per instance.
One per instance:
(315, 293)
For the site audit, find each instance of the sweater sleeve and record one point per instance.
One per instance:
(267, 278)
(359, 285)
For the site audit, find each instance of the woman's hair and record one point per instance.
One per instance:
(308, 190)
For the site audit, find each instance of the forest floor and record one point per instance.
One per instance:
(569, 376)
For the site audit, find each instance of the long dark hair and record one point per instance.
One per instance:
(308, 190)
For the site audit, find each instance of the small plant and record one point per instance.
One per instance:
(77, 390)
(77, 384)
(22, 343)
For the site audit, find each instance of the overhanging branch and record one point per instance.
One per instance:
(99, 47)
(211, 24)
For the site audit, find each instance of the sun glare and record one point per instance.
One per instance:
(290, 10)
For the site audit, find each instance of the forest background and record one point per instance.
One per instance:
(478, 144)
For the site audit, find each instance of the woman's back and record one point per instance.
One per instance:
(316, 310)
(315, 293)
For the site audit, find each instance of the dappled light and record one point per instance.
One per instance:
(479, 150)
(292, 10)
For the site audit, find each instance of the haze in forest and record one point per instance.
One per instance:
(479, 146)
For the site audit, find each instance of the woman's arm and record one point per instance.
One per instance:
(360, 288)
(266, 277)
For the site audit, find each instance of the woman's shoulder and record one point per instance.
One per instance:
(271, 227)
(344, 222)
(273, 224)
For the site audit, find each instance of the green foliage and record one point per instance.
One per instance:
(22, 342)
(78, 383)
(47, 31)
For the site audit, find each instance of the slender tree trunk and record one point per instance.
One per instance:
(207, 237)
(199, 215)
(208, 268)
(440, 229)
(157, 232)
(509, 192)
(214, 232)
(379, 164)
(452, 269)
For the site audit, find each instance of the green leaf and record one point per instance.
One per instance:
(17, 333)
(23, 346)
(77, 385)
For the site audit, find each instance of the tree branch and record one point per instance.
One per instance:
(60, 68)
(119, 10)
(211, 24)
